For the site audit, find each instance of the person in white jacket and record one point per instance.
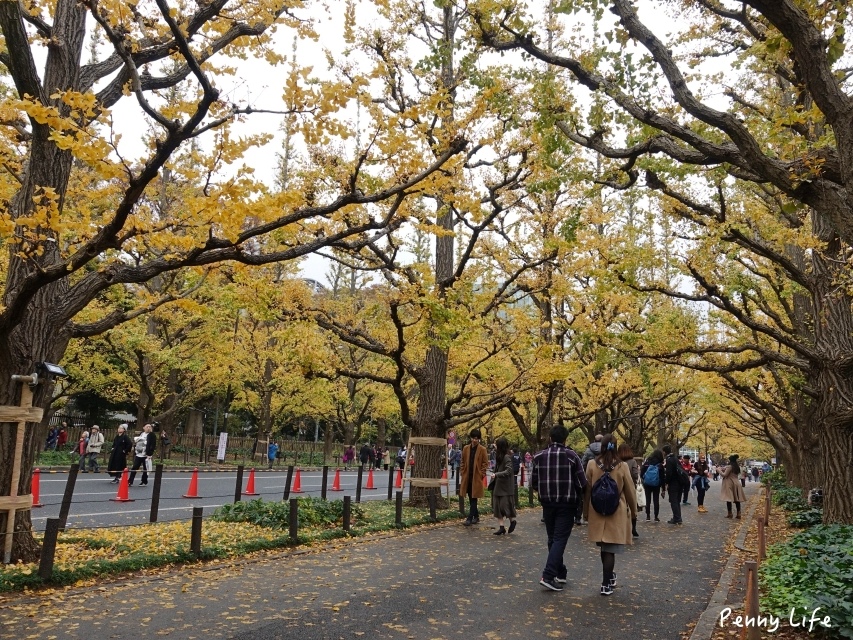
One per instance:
(93, 448)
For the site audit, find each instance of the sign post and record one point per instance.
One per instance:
(223, 445)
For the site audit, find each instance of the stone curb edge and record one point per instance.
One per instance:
(707, 623)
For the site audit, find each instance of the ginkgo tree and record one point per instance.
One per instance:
(64, 250)
(751, 98)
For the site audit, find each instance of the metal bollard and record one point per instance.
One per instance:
(358, 484)
(48, 551)
(391, 482)
(287, 482)
(347, 512)
(69, 494)
(239, 486)
(294, 519)
(155, 492)
(324, 482)
(398, 517)
(195, 536)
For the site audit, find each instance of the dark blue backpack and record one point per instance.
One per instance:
(605, 493)
(652, 477)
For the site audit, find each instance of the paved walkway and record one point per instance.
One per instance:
(435, 582)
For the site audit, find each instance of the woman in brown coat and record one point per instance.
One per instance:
(472, 470)
(611, 533)
(731, 490)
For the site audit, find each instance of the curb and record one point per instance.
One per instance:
(707, 623)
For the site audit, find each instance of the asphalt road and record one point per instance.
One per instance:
(92, 504)
(444, 581)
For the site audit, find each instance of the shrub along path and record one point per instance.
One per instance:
(443, 581)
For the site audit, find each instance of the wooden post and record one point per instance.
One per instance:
(753, 632)
(391, 481)
(762, 541)
(398, 514)
(767, 507)
(358, 483)
(20, 415)
(324, 482)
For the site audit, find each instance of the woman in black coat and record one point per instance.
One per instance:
(122, 445)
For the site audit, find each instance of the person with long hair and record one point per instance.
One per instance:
(610, 532)
(626, 455)
(731, 491)
(652, 482)
(503, 494)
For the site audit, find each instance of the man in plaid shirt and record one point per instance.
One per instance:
(559, 479)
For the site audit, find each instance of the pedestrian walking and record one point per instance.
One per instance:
(144, 448)
(122, 446)
(52, 437)
(366, 454)
(701, 481)
(62, 437)
(475, 463)
(503, 493)
(687, 465)
(93, 448)
(386, 458)
(81, 450)
(731, 490)
(673, 484)
(272, 453)
(559, 479)
(608, 475)
(626, 455)
(652, 473)
(349, 456)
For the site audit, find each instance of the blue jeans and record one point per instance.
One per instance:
(559, 520)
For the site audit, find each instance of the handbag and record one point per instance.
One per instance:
(641, 495)
(492, 484)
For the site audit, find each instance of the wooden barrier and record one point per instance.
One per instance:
(753, 632)
(18, 417)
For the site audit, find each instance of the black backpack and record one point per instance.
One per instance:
(605, 493)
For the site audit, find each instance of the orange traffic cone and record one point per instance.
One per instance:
(35, 488)
(250, 484)
(192, 490)
(336, 484)
(297, 484)
(399, 482)
(370, 480)
(121, 495)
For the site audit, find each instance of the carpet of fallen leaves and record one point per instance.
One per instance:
(100, 551)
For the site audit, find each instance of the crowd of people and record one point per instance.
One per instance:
(605, 489)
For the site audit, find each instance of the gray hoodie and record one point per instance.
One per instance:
(591, 452)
